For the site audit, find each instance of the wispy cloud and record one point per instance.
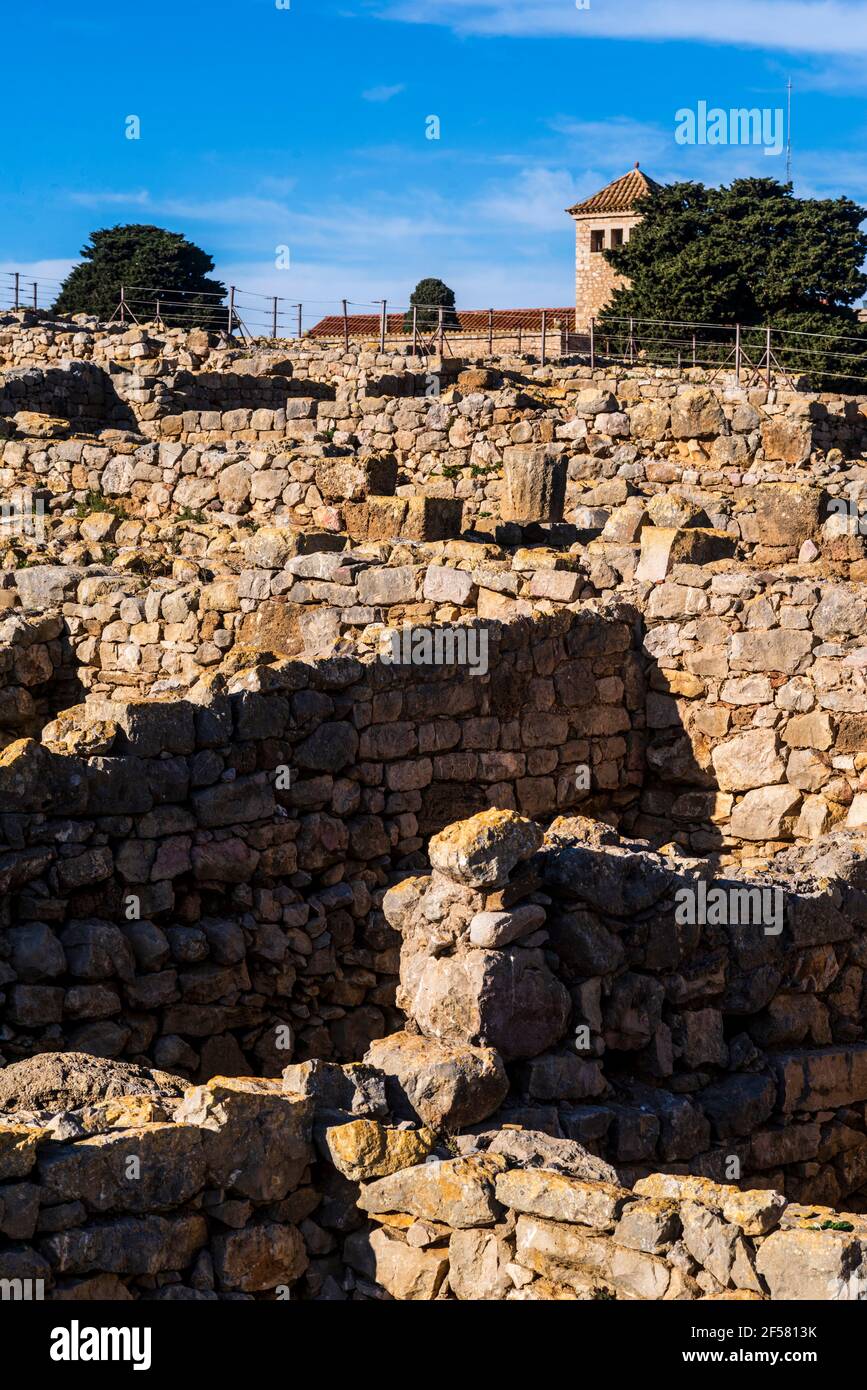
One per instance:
(93, 198)
(806, 26)
(384, 93)
(235, 211)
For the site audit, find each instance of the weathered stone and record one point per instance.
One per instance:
(459, 1192)
(446, 1086)
(482, 851)
(364, 1149)
(538, 1192)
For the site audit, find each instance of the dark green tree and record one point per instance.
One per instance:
(427, 297)
(144, 260)
(750, 253)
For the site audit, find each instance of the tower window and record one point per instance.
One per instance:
(616, 236)
(597, 241)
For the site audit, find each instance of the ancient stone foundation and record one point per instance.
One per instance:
(432, 826)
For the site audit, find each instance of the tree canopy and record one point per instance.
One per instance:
(750, 253)
(143, 259)
(427, 297)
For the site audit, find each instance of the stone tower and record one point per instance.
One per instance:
(602, 223)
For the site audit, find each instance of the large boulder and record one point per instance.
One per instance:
(448, 1086)
(69, 1080)
(482, 852)
(505, 999)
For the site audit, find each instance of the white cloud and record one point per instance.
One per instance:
(384, 93)
(536, 198)
(807, 26)
(108, 198)
(234, 211)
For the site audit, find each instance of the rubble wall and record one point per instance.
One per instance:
(757, 709)
(118, 1184)
(188, 876)
(657, 1012)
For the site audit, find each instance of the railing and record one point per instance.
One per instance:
(753, 354)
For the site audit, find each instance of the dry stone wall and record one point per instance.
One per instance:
(655, 1013)
(188, 877)
(119, 1184)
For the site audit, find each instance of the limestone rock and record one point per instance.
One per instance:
(69, 1080)
(696, 413)
(404, 1271)
(364, 1149)
(448, 1086)
(459, 1192)
(259, 1257)
(814, 1265)
(534, 484)
(478, 1266)
(538, 1192)
(507, 999)
(482, 851)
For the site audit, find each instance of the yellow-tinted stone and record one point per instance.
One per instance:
(17, 1150)
(365, 1149)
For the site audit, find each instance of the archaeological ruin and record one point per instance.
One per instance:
(433, 803)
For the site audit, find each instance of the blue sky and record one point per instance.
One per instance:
(305, 127)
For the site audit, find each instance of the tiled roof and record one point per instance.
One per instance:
(469, 321)
(619, 196)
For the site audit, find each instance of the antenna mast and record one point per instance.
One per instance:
(789, 132)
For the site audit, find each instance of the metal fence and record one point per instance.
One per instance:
(754, 354)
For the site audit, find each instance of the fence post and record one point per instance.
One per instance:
(738, 351)
(490, 332)
(231, 309)
(544, 352)
(694, 355)
(592, 344)
(345, 325)
(35, 295)
(414, 329)
(158, 317)
(442, 330)
(300, 319)
(383, 322)
(16, 288)
(631, 342)
(122, 304)
(768, 352)
(274, 317)
(520, 339)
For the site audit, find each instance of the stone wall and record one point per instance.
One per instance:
(38, 674)
(115, 1185)
(118, 1184)
(658, 1014)
(194, 881)
(757, 715)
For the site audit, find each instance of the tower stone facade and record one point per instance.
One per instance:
(602, 223)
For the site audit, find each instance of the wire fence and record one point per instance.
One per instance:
(752, 354)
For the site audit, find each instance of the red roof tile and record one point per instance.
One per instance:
(469, 321)
(619, 196)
